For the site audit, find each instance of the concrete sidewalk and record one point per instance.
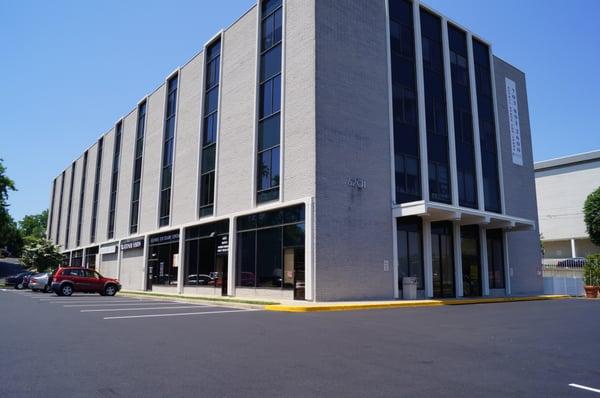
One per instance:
(300, 306)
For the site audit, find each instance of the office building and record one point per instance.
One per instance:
(316, 150)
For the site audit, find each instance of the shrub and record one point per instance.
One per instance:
(591, 270)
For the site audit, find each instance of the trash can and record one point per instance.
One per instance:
(409, 288)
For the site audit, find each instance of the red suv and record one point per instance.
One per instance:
(68, 280)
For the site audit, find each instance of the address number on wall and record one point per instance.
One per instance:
(357, 183)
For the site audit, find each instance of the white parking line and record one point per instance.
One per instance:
(176, 314)
(119, 304)
(89, 302)
(73, 298)
(140, 309)
(577, 386)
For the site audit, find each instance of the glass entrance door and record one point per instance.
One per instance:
(471, 261)
(443, 259)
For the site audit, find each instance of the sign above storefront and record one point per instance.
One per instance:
(165, 238)
(109, 249)
(132, 244)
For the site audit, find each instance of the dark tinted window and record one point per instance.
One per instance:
(463, 118)
(487, 126)
(168, 144)
(269, 108)
(435, 109)
(210, 127)
(271, 249)
(410, 250)
(406, 127)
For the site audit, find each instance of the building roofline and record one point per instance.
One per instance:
(569, 160)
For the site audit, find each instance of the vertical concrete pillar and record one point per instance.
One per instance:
(309, 264)
(231, 275)
(485, 281)
(180, 261)
(145, 263)
(573, 249)
(507, 266)
(427, 258)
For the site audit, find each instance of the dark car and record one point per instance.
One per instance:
(68, 280)
(18, 281)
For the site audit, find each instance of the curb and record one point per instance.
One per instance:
(217, 302)
(400, 304)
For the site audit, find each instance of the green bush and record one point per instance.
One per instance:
(591, 270)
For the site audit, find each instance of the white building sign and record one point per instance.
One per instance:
(513, 121)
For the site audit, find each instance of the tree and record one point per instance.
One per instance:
(9, 233)
(591, 216)
(41, 254)
(34, 225)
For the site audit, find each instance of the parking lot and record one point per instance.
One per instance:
(93, 346)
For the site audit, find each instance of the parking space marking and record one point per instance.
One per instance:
(120, 304)
(177, 314)
(89, 302)
(577, 386)
(141, 309)
(80, 298)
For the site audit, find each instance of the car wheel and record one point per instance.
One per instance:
(110, 290)
(66, 290)
(19, 286)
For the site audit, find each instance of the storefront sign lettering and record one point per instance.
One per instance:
(132, 244)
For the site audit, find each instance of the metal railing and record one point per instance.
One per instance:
(563, 267)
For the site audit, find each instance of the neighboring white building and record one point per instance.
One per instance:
(562, 186)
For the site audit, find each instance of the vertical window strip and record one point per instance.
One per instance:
(405, 110)
(167, 160)
(487, 126)
(463, 119)
(137, 169)
(114, 182)
(60, 202)
(51, 211)
(70, 206)
(435, 108)
(210, 128)
(269, 109)
(96, 190)
(81, 199)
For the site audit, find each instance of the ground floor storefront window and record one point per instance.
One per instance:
(410, 250)
(206, 253)
(163, 259)
(471, 260)
(77, 258)
(495, 252)
(270, 250)
(66, 259)
(90, 257)
(442, 254)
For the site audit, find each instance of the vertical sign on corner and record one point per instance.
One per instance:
(513, 121)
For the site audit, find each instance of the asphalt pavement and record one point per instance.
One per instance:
(93, 346)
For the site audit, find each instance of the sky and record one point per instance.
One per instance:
(70, 69)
